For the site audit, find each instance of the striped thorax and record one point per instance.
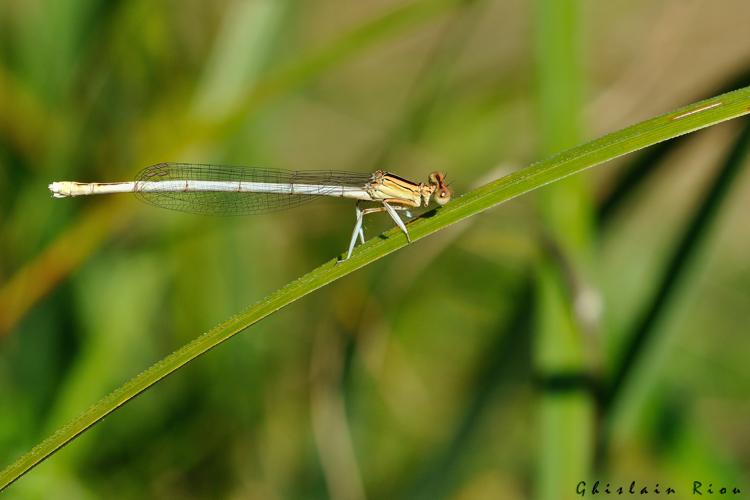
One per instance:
(385, 186)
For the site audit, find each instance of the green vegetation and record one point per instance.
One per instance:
(560, 339)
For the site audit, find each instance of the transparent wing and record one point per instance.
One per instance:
(240, 203)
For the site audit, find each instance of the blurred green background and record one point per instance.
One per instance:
(594, 330)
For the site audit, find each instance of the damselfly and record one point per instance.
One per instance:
(226, 190)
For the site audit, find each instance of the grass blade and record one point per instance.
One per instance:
(565, 416)
(578, 159)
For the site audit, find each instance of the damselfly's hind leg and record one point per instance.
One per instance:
(360, 214)
(358, 231)
(360, 217)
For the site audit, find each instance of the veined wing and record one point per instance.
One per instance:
(224, 191)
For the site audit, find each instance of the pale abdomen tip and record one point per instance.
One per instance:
(60, 189)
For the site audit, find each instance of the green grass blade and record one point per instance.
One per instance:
(565, 412)
(682, 121)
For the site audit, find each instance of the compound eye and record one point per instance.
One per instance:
(443, 196)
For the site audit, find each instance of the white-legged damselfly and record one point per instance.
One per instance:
(229, 190)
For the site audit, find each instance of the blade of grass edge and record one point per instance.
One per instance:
(653, 131)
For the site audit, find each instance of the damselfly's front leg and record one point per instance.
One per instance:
(360, 214)
(399, 222)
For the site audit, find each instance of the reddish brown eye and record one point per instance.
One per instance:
(442, 194)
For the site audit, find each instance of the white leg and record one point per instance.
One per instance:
(357, 232)
(361, 230)
(394, 215)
